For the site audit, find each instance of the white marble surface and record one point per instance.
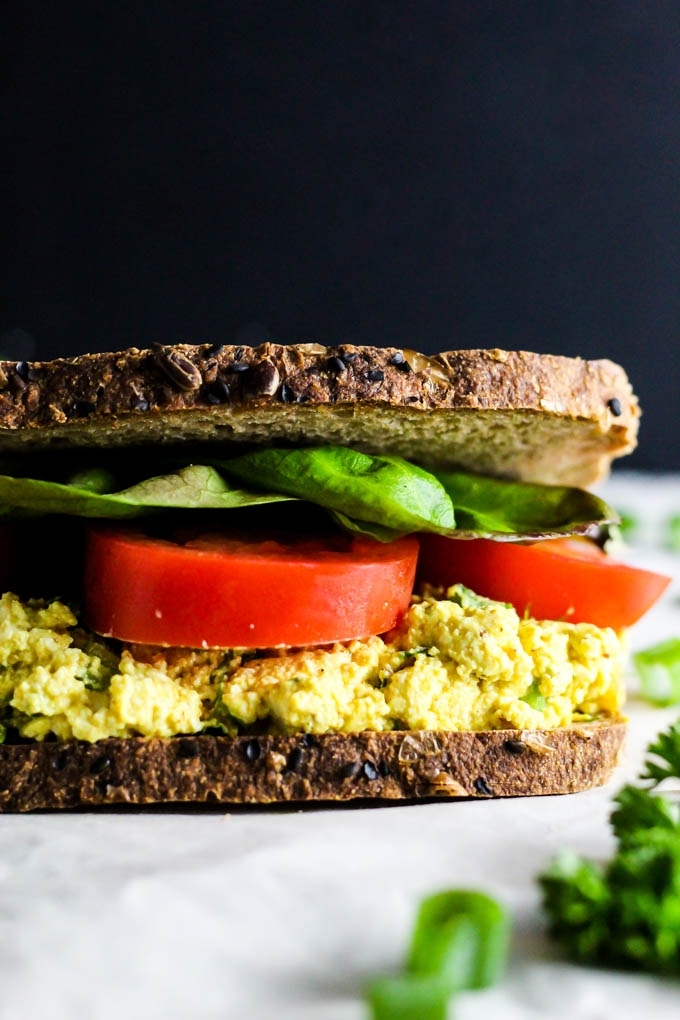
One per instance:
(284, 915)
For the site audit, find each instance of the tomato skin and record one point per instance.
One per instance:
(220, 593)
(556, 579)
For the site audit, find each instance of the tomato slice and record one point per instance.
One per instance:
(558, 579)
(219, 592)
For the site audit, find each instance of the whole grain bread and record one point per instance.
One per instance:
(516, 414)
(305, 768)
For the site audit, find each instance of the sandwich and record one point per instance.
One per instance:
(298, 573)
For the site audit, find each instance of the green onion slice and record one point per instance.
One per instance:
(459, 943)
(409, 997)
(658, 669)
(673, 533)
(462, 936)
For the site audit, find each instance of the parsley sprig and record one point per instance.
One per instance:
(626, 914)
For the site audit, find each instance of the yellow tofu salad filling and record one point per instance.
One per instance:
(455, 662)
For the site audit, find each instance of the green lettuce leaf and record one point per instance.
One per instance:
(382, 497)
(384, 490)
(197, 486)
(369, 529)
(490, 507)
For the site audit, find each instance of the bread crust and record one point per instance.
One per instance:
(305, 768)
(537, 417)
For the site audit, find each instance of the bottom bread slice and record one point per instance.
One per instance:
(399, 765)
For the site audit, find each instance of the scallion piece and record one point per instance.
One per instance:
(673, 533)
(462, 936)
(409, 997)
(658, 669)
(628, 524)
(459, 943)
(533, 697)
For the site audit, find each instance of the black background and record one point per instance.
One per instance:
(428, 174)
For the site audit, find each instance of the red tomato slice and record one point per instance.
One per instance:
(219, 592)
(558, 579)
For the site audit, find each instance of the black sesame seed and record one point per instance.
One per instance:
(403, 366)
(22, 369)
(295, 759)
(238, 353)
(215, 349)
(482, 787)
(336, 365)
(140, 404)
(61, 761)
(614, 406)
(515, 747)
(383, 769)
(83, 407)
(253, 750)
(287, 394)
(348, 357)
(239, 366)
(370, 771)
(308, 740)
(375, 375)
(350, 770)
(101, 785)
(217, 392)
(187, 748)
(99, 764)
(33, 374)
(397, 358)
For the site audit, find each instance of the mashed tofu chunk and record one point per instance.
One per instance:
(315, 690)
(45, 683)
(456, 662)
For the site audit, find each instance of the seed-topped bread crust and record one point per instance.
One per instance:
(305, 768)
(536, 417)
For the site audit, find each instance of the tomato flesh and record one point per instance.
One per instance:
(558, 579)
(219, 592)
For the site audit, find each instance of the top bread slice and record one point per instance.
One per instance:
(535, 417)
